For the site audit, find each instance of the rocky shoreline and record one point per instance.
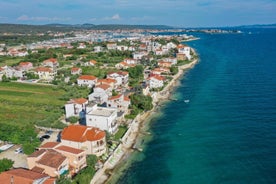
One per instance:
(128, 142)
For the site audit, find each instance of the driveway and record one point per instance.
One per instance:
(20, 159)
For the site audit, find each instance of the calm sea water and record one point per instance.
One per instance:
(227, 132)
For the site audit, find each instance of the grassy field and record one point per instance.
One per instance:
(28, 104)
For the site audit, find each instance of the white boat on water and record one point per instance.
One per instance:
(186, 101)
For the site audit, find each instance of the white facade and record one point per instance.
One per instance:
(185, 50)
(155, 83)
(102, 118)
(99, 95)
(74, 107)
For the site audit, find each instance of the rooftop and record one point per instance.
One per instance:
(101, 112)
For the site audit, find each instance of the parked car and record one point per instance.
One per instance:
(45, 136)
(19, 150)
(49, 132)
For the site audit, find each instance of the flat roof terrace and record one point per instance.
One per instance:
(102, 112)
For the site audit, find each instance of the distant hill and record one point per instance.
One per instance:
(24, 28)
(258, 26)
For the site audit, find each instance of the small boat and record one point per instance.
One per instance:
(186, 101)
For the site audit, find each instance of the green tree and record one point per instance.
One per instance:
(5, 164)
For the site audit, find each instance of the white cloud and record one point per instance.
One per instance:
(114, 17)
(27, 18)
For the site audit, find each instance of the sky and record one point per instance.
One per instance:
(179, 13)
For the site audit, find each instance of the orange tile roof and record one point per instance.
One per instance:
(79, 133)
(24, 63)
(107, 80)
(87, 77)
(52, 159)
(37, 169)
(126, 98)
(49, 145)
(50, 181)
(93, 61)
(21, 176)
(115, 97)
(103, 86)
(80, 100)
(75, 69)
(37, 153)
(158, 77)
(53, 60)
(120, 73)
(43, 69)
(70, 149)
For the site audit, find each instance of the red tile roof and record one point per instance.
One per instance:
(52, 159)
(25, 63)
(49, 145)
(37, 153)
(87, 77)
(37, 169)
(126, 98)
(75, 69)
(80, 100)
(108, 80)
(158, 77)
(79, 133)
(52, 60)
(115, 97)
(120, 73)
(43, 69)
(70, 149)
(103, 86)
(93, 61)
(20, 176)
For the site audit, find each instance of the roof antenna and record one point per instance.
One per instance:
(11, 179)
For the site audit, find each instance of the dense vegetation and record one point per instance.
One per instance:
(5, 164)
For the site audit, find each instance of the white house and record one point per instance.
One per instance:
(52, 62)
(120, 77)
(173, 60)
(107, 81)
(87, 80)
(75, 106)
(122, 47)
(102, 118)
(111, 45)
(139, 55)
(25, 66)
(45, 73)
(100, 94)
(76, 71)
(98, 49)
(87, 138)
(119, 102)
(183, 49)
(156, 81)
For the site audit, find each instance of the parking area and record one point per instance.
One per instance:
(20, 159)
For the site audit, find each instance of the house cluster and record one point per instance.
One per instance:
(54, 159)
(47, 71)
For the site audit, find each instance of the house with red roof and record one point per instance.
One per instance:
(75, 156)
(100, 93)
(25, 176)
(25, 65)
(48, 161)
(74, 106)
(111, 45)
(120, 102)
(156, 81)
(121, 77)
(107, 81)
(87, 80)
(52, 62)
(45, 73)
(184, 49)
(88, 138)
(76, 71)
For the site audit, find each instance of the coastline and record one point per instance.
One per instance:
(130, 139)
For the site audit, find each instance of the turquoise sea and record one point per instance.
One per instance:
(227, 131)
